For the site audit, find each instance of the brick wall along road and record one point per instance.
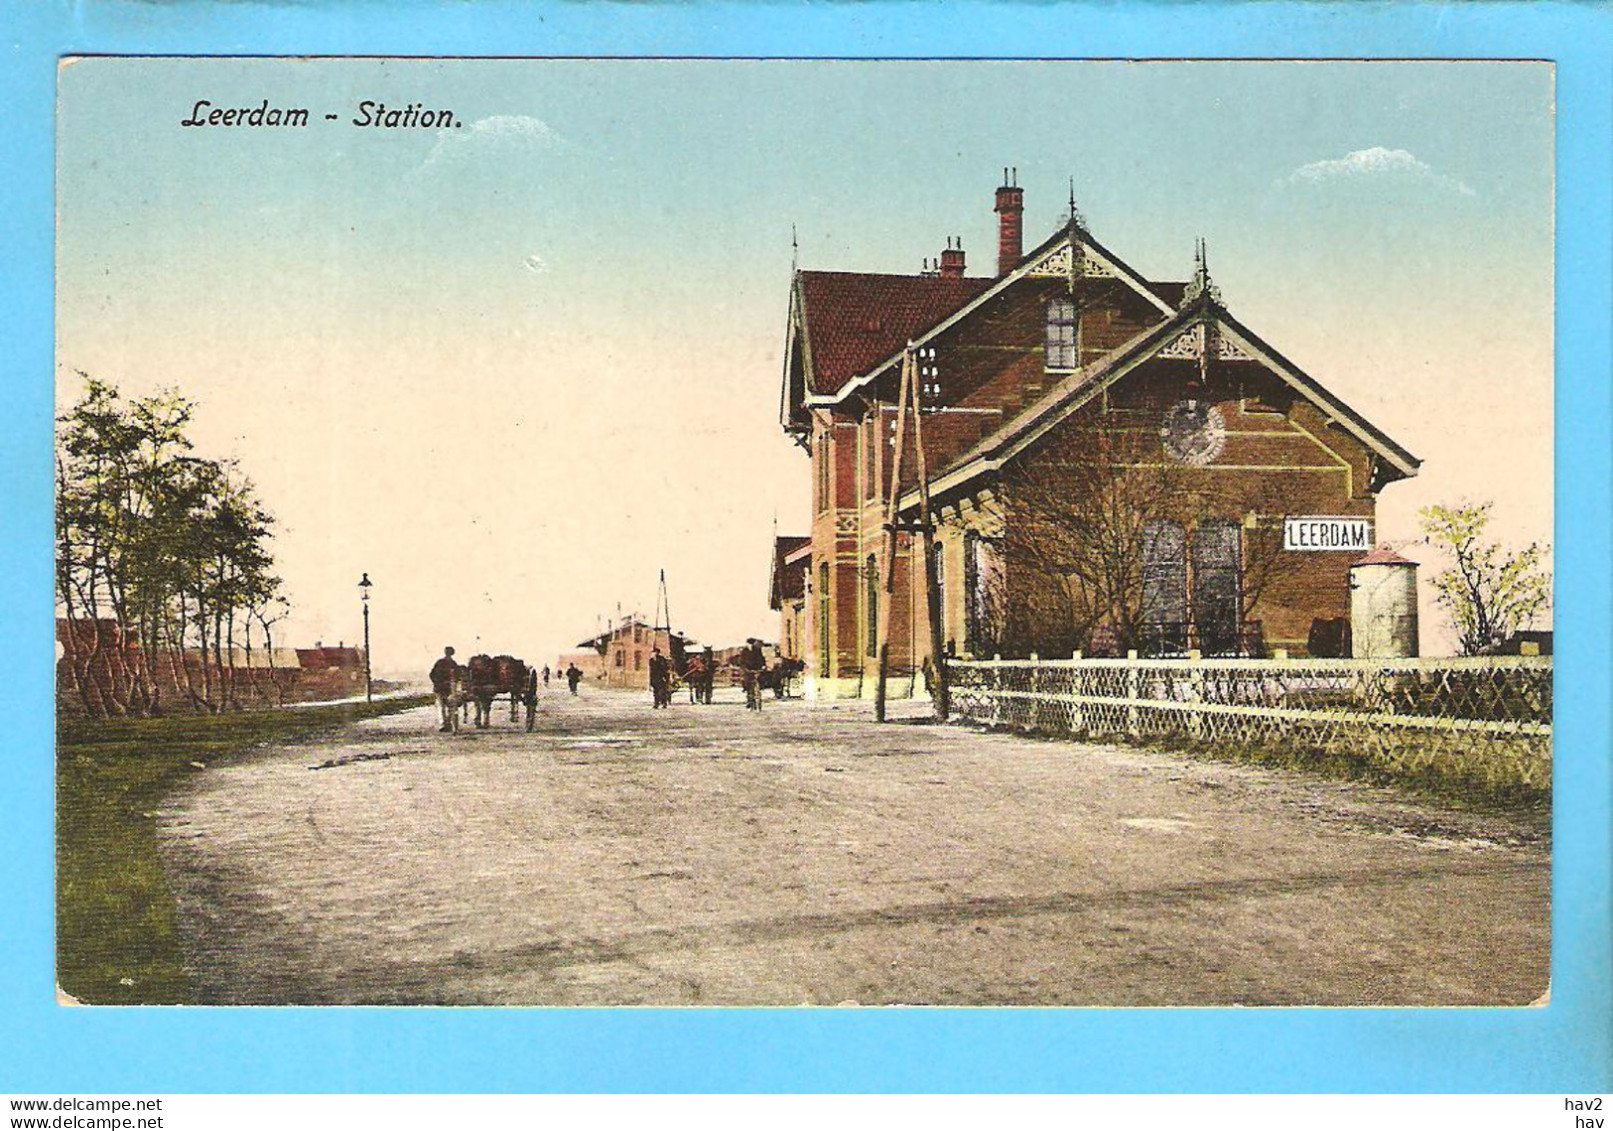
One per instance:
(708, 856)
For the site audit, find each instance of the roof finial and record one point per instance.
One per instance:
(1076, 220)
(1201, 285)
(795, 251)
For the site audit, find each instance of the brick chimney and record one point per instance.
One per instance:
(952, 258)
(1010, 223)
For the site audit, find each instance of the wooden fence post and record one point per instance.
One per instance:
(1133, 683)
(1195, 683)
(996, 687)
(1078, 713)
(1035, 687)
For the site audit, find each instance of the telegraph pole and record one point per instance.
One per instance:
(909, 408)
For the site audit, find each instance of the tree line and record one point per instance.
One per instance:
(164, 574)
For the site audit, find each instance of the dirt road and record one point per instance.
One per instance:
(711, 856)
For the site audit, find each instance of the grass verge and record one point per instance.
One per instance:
(117, 938)
(1476, 783)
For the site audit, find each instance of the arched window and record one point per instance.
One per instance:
(823, 619)
(870, 461)
(871, 603)
(971, 592)
(1218, 585)
(1061, 334)
(823, 470)
(1164, 603)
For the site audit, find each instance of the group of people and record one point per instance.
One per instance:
(450, 683)
(450, 680)
(698, 675)
(701, 671)
(572, 673)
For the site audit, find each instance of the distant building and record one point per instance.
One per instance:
(786, 591)
(620, 656)
(342, 659)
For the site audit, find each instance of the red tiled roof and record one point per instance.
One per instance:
(855, 321)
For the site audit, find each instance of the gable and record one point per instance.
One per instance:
(1069, 255)
(994, 360)
(1182, 338)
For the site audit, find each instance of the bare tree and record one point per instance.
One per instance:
(1073, 545)
(1083, 518)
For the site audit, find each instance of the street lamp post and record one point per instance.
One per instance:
(364, 588)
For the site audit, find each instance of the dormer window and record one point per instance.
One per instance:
(1061, 327)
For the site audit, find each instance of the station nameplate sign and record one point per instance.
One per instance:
(1323, 533)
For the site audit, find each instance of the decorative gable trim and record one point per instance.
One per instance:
(794, 394)
(1189, 345)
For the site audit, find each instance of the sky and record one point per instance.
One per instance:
(514, 369)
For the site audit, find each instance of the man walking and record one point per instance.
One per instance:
(442, 685)
(751, 664)
(573, 677)
(545, 676)
(660, 679)
(708, 676)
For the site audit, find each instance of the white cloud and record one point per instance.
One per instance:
(1377, 163)
(506, 132)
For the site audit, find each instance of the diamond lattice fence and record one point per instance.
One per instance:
(1485, 717)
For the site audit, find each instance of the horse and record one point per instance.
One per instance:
(492, 676)
(694, 676)
(779, 677)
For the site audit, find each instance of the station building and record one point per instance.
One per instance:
(1069, 404)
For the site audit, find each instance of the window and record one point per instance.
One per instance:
(1061, 334)
(621, 658)
(823, 470)
(871, 457)
(638, 661)
(823, 619)
(871, 603)
(1217, 585)
(971, 592)
(1164, 604)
